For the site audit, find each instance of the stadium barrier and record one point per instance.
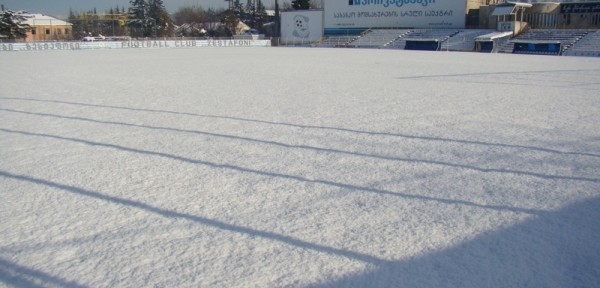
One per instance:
(133, 44)
(423, 44)
(539, 47)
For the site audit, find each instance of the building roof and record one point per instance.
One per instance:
(510, 8)
(504, 9)
(41, 19)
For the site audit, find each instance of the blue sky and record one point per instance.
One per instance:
(60, 8)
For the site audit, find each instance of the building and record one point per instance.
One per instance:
(567, 15)
(47, 28)
(542, 14)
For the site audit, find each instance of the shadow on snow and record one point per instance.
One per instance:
(406, 136)
(198, 219)
(19, 276)
(557, 249)
(349, 187)
(284, 145)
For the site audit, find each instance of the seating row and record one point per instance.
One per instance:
(587, 46)
(574, 42)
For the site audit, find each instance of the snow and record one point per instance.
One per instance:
(37, 19)
(295, 167)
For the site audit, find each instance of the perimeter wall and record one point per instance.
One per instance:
(133, 44)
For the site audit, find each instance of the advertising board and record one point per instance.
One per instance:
(133, 44)
(301, 26)
(345, 15)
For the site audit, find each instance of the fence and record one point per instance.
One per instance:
(135, 44)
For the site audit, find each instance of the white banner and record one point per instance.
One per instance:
(343, 15)
(133, 44)
(301, 26)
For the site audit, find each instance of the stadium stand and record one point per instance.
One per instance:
(439, 35)
(506, 47)
(464, 40)
(587, 46)
(338, 41)
(491, 42)
(379, 38)
(569, 42)
(565, 37)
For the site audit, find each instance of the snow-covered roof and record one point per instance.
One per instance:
(41, 19)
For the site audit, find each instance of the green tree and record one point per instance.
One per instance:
(190, 20)
(249, 6)
(277, 19)
(139, 20)
(238, 8)
(11, 24)
(189, 15)
(255, 14)
(164, 23)
(251, 13)
(260, 15)
(138, 9)
(301, 4)
(77, 24)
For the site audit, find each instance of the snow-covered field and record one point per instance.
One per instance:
(285, 167)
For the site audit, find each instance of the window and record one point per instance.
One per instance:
(596, 19)
(567, 19)
(33, 31)
(67, 31)
(47, 31)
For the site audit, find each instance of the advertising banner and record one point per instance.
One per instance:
(133, 44)
(301, 26)
(344, 15)
(566, 8)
